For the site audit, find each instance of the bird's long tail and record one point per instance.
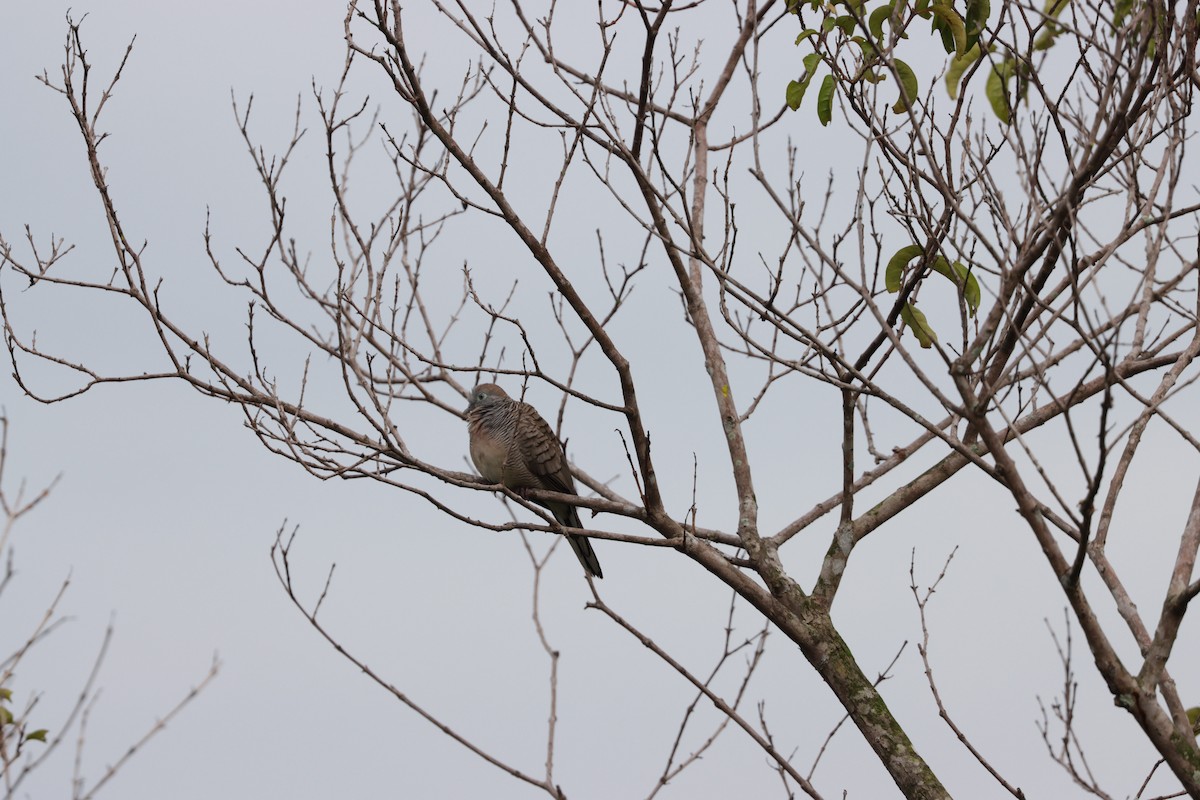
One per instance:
(586, 555)
(582, 545)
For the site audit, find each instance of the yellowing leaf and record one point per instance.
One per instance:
(962, 277)
(915, 320)
(895, 267)
(997, 92)
(958, 67)
(958, 29)
(958, 274)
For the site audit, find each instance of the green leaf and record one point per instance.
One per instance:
(846, 23)
(876, 20)
(795, 93)
(908, 86)
(869, 51)
(954, 24)
(940, 27)
(962, 277)
(804, 34)
(997, 91)
(957, 273)
(796, 89)
(825, 99)
(915, 320)
(6, 716)
(970, 286)
(978, 12)
(5, 695)
(1045, 39)
(1120, 11)
(37, 736)
(896, 264)
(958, 67)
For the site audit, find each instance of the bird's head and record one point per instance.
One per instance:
(486, 395)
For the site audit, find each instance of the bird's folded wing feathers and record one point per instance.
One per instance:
(541, 452)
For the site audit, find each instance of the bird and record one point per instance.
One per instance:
(511, 444)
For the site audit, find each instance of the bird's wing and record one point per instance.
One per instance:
(541, 453)
(543, 458)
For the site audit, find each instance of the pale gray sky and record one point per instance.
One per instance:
(168, 506)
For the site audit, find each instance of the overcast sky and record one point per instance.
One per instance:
(168, 506)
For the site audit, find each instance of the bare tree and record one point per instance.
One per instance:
(1039, 253)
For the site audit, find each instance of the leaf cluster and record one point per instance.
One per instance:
(956, 272)
(14, 733)
(875, 32)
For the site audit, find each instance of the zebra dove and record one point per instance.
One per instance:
(512, 445)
